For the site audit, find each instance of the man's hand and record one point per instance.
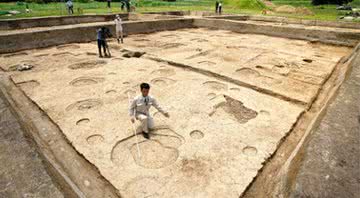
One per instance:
(133, 120)
(166, 114)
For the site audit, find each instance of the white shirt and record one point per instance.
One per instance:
(141, 105)
(69, 3)
(118, 24)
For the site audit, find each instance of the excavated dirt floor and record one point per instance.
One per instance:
(291, 69)
(231, 98)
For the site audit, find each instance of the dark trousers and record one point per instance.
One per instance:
(109, 4)
(101, 43)
(128, 7)
(71, 10)
(220, 7)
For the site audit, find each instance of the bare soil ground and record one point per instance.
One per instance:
(231, 97)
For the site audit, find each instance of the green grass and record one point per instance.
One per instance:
(293, 3)
(58, 9)
(245, 4)
(355, 3)
(322, 12)
(54, 9)
(326, 12)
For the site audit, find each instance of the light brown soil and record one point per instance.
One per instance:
(225, 95)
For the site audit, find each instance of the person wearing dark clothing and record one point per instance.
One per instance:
(216, 6)
(70, 7)
(27, 8)
(125, 3)
(109, 3)
(220, 8)
(128, 6)
(102, 34)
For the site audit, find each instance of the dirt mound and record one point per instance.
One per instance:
(132, 54)
(287, 9)
(304, 11)
(269, 4)
(138, 17)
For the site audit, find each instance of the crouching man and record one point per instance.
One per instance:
(139, 109)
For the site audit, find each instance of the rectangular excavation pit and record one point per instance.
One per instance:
(205, 151)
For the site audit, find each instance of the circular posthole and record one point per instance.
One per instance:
(82, 121)
(154, 155)
(196, 134)
(307, 60)
(211, 96)
(214, 85)
(81, 81)
(95, 139)
(87, 64)
(84, 105)
(110, 91)
(249, 151)
(164, 72)
(130, 92)
(265, 113)
(234, 89)
(265, 116)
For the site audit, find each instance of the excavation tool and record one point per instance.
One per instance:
(134, 128)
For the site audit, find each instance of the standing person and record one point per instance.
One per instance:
(128, 5)
(27, 8)
(109, 3)
(102, 33)
(122, 5)
(70, 7)
(220, 8)
(216, 6)
(139, 109)
(119, 28)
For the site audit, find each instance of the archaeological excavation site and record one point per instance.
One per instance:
(246, 96)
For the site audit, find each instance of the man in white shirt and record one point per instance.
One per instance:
(139, 109)
(119, 28)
